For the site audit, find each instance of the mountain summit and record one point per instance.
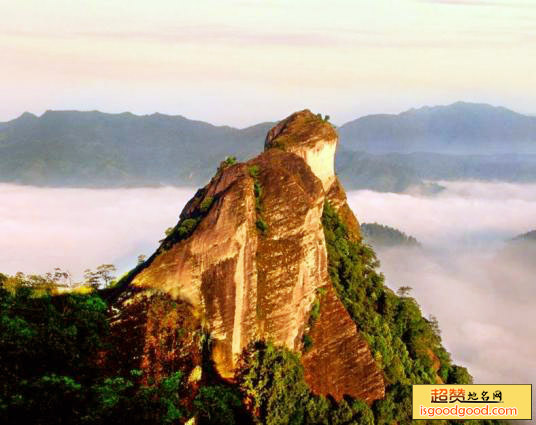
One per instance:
(265, 285)
(249, 255)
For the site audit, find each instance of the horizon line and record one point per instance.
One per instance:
(260, 122)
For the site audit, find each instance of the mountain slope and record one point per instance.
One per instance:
(270, 256)
(398, 172)
(461, 128)
(256, 260)
(70, 148)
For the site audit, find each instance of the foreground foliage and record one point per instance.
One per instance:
(272, 381)
(50, 347)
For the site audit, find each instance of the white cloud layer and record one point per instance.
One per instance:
(480, 288)
(42, 228)
(468, 212)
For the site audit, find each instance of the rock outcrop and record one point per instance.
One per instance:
(312, 139)
(249, 258)
(339, 361)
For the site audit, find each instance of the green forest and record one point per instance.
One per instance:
(380, 235)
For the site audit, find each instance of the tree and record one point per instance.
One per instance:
(167, 232)
(434, 324)
(48, 347)
(404, 291)
(227, 162)
(104, 271)
(102, 277)
(61, 278)
(272, 380)
(141, 258)
(91, 278)
(216, 404)
(459, 375)
(41, 284)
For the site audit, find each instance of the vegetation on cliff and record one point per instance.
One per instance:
(50, 374)
(52, 368)
(272, 382)
(258, 191)
(186, 225)
(404, 344)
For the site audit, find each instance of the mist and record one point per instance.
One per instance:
(466, 213)
(480, 286)
(75, 229)
(481, 289)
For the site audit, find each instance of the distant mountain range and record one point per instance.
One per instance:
(460, 128)
(397, 172)
(70, 148)
(526, 237)
(378, 152)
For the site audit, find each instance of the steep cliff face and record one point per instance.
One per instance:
(154, 333)
(315, 141)
(312, 139)
(249, 258)
(339, 361)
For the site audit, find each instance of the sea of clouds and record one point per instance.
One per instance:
(482, 292)
(480, 286)
(75, 229)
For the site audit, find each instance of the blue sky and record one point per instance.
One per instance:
(245, 61)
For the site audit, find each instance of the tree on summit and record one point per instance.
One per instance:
(404, 291)
(101, 277)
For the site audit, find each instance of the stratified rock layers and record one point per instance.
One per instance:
(248, 282)
(339, 361)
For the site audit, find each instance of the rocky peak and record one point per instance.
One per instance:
(249, 256)
(310, 137)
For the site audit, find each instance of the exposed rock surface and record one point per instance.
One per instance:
(339, 361)
(249, 256)
(154, 333)
(309, 137)
(215, 268)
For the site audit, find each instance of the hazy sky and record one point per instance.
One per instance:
(244, 61)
